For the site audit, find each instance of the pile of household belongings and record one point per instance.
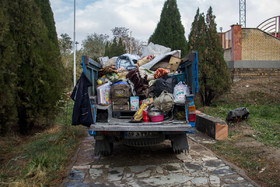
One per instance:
(145, 85)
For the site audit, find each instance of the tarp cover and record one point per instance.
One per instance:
(158, 58)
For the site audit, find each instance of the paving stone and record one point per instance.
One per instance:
(238, 185)
(133, 184)
(95, 173)
(188, 184)
(232, 179)
(184, 157)
(199, 168)
(223, 172)
(208, 158)
(198, 174)
(102, 185)
(192, 152)
(75, 184)
(128, 175)
(137, 169)
(193, 166)
(144, 174)
(174, 168)
(97, 166)
(200, 180)
(172, 178)
(159, 170)
(81, 167)
(76, 175)
(115, 174)
(214, 180)
(214, 163)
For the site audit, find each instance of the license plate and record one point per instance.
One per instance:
(141, 135)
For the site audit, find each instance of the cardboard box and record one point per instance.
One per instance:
(173, 64)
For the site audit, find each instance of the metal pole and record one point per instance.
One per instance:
(130, 43)
(74, 73)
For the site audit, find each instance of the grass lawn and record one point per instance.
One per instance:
(40, 159)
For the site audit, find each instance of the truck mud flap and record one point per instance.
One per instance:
(103, 147)
(179, 142)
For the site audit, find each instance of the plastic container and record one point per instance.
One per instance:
(145, 116)
(157, 118)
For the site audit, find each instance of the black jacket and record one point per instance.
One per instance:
(82, 109)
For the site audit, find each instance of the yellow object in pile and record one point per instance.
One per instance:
(139, 114)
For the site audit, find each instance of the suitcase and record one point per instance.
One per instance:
(120, 100)
(121, 107)
(120, 90)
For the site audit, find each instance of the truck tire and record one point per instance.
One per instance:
(142, 142)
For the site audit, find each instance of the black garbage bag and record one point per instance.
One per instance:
(237, 115)
(167, 84)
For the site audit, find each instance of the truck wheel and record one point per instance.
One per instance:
(103, 147)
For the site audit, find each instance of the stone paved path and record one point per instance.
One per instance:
(153, 166)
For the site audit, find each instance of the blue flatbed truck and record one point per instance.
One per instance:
(143, 133)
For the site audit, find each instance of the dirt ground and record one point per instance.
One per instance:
(253, 91)
(264, 161)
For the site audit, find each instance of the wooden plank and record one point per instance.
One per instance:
(221, 131)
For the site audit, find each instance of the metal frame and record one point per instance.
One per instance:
(242, 13)
(271, 26)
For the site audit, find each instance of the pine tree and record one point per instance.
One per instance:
(170, 31)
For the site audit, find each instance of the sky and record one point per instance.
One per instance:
(142, 16)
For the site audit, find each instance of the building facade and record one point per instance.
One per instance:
(251, 53)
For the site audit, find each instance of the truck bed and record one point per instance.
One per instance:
(124, 125)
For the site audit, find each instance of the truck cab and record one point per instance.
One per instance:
(116, 126)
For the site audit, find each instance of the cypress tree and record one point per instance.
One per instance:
(170, 31)
(213, 72)
(38, 83)
(8, 66)
(54, 68)
(48, 19)
(219, 76)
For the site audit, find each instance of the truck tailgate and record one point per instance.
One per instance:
(118, 125)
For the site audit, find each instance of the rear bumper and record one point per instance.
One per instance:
(141, 127)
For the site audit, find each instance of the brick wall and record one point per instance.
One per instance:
(258, 45)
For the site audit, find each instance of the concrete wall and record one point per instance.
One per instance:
(227, 54)
(253, 73)
(259, 46)
(254, 64)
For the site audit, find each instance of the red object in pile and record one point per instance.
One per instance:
(145, 116)
(161, 73)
